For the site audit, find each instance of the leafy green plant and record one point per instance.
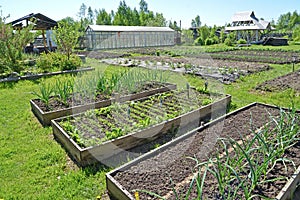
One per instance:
(12, 44)
(64, 90)
(44, 93)
(56, 61)
(66, 36)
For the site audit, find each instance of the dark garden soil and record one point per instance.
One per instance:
(78, 99)
(102, 126)
(275, 57)
(103, 54)
(249, 67)
(291, 80)
(154, 173)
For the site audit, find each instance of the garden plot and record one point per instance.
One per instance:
(71, 96)
(289, 81)
(99, 134)
(226, 71)
(103, 54)
(252, 151)
(262, 56)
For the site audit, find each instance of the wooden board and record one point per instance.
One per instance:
(86, 156)
(117, 191)
(46, 117)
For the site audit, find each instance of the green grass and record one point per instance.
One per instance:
(34, 166)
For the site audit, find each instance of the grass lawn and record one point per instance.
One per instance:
(34, 166)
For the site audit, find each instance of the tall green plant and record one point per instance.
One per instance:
(66, 36)
(12, 43)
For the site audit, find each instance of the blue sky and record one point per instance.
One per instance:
(210, 11)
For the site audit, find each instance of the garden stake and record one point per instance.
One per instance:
(188, 90)
(128, 112)
(205, 85)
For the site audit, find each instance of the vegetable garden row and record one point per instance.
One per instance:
(99, 134)
(248, 154)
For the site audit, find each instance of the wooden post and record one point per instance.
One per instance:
(44, 40)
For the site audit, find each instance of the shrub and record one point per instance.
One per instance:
(198, 41)
(228, 42)
(242, 41)
(12, 45)
(57, 61)
(209, 41)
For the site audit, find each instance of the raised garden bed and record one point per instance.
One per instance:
(31, 76)
(46, 116)
(99, 134)
(288, 81)
(169, 168)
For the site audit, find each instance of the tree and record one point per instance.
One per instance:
(296, 34)
(123, 15)
(157, 20)
(294, 20)
(174, 26)
(103, 18)
(12, 44)
(66, 37)
(196, 22)
(82, 11)
(90, 15)
(143, 6)
(283, 21)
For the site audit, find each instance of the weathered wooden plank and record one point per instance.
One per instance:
(46, 117)
(109, 148)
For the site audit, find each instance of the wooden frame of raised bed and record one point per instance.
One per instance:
(37, 76)
(89, 155)
(46, 117)
(119, 192)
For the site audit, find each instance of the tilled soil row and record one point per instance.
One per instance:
(291, 80)
(154, 174)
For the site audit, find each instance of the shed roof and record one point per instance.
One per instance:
(247, 21)
(110, 28)
(41, 22)
(243, 16)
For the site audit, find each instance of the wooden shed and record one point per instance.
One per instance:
(248, 26)
(41, 22)
(113, 37)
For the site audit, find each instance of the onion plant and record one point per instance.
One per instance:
(44, 93)
(63, 90)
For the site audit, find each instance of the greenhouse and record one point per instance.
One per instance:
(113, 37)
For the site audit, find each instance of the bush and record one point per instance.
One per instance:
(242, 41)
(228, 42)
(57, 61)
(198, 41)
(209, 41)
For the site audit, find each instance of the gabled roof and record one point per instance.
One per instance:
(247, 21)
(243, 16)
(110, 28)
(41, 21)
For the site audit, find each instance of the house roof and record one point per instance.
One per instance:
(41, 22)
(243, 16)
(247, 21)
(110, 28)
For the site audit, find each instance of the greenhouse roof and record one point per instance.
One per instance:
(109, 28)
